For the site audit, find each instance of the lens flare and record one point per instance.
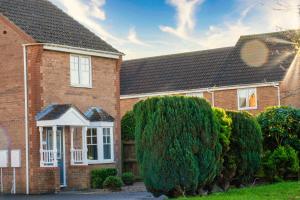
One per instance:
(4, 139)
(254, 53)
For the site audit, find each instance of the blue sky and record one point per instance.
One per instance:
(142, 28)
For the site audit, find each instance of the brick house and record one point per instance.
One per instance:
(259, 71)
(60, 99)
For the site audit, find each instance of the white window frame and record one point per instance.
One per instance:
(100, 146)
(247, 99)
(79, 70)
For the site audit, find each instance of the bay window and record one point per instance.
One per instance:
(80, 71)
(100, 145)
(247, 99)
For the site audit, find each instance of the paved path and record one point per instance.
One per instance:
(83, 196)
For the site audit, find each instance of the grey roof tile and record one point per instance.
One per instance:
(95, 114)
(209, 68)
(46, 23)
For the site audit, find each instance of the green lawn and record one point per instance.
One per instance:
(279, 191)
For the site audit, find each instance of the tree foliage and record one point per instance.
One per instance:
(281, 163)
(245, 145)
(177, 144)
(128, 126)
(228, 166)
(280, 126)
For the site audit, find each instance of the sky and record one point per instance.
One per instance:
(144, 28)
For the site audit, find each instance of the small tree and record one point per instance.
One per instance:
(177, 144)
(280, 126)
(245, 145)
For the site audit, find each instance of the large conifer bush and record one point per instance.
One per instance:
(177, 144)
(245, 145)
(128, 126)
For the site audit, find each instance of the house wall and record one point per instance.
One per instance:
(227, 99)
(12, 134)
(290, 86)
(49, 73)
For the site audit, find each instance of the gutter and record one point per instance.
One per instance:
(212, 97)
(211, 89)
(26, 117)
(278, 93)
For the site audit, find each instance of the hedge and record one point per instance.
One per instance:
(176, 144)
(245, 146)
(98, 176)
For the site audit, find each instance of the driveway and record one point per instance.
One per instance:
(83, 196)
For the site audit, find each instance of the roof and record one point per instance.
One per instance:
(95, 114)
(254, 59)
(172, 72)
(46, 23)
(53, 111)
(257, 59)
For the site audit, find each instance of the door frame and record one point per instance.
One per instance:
(63, 157)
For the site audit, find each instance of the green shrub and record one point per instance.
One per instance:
(176, 144)
(128, 126)
(99, 175)
(245, 146)
(128, 178)
(281, 163)
(280, 126)
(227, 167)
(113, 183)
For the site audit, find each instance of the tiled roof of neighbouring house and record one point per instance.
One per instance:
(254, 59)
(172, 72)
(46, 23)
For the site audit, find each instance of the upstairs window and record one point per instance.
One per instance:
(247, 99)
(80, 71)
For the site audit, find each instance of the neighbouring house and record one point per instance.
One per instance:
(60, 99)
(259, 71)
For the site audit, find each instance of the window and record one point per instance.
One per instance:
(247, 99)
(106, 144)
(80, 71)
(100, 145)
(194, 94)
(92, 144)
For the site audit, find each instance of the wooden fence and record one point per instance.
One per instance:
(129, 158)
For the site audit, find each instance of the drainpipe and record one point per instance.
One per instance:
(26, 117)
(278, 93)
(212, 97)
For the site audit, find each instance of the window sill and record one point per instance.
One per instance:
(101, 162)
(248, 108)
(82, 86)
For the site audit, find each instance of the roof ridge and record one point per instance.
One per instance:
(268, 33)
(182, 53)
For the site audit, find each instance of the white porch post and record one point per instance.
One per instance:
(41, 146)
(54, 128)
(84, 146)
(72, 145)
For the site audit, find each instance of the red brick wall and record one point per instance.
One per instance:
(12, 134)
(53, 86)
(227, 99)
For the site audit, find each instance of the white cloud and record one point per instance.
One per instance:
(133, 38)
(185, 17)
(95, 9)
